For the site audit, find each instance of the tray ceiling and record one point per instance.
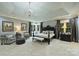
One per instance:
(40, 11)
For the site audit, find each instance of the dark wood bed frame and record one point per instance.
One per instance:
(48, 28)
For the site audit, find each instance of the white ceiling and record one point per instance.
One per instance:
(41, 11)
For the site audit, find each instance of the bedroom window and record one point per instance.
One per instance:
(33, 27)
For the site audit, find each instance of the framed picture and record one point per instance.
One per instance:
(23, 26)
(7, 26)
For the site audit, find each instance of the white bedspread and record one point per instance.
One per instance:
(44, 35)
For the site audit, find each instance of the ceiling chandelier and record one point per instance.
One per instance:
(29, 12)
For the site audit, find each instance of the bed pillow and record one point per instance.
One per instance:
(51, 32)
(44, 32)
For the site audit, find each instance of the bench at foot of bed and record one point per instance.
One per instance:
(38, 38)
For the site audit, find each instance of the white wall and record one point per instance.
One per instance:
(64, 21)
(51, 23)
(16, 23)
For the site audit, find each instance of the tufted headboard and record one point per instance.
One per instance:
(49, 28)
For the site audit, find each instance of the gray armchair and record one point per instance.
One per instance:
(26, 35)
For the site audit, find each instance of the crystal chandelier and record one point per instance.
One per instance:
(29, 12)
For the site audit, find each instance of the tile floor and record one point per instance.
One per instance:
(34, 48)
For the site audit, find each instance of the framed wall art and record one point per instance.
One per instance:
(23, 27)
(7, 26)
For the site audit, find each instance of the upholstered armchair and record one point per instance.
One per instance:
(19, 39)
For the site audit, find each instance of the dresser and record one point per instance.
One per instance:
(65, 37)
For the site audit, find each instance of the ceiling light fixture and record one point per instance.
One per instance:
(29, 12)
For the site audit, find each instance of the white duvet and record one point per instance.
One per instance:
(44, 35)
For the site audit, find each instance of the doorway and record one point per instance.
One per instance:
(35, 28)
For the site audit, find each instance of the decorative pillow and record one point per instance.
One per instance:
(51, 32)
(44, 32)
(9, 36)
